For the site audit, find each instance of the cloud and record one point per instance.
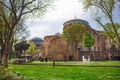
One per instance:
(45, 28)
(53, 22)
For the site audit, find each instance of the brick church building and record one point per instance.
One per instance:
(102, 49)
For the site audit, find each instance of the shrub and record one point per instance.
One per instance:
(5, 74)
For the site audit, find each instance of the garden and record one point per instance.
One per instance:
(105, 70)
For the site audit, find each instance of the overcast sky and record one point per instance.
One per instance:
(53, 20)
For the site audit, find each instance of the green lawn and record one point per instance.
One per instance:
(68, 72)
(78, 63)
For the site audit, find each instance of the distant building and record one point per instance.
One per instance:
(37, 41)
(102, 49)
(58, 34)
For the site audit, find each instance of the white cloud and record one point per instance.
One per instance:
(53, 22)
(65, 8)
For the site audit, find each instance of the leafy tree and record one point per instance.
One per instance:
(22, 46)
(74, 35)
(3, 32)
(105, 11)
(20, 34)
(32, 48)
(88, 41)
(11, 12)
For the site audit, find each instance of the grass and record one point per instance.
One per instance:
(69, 72)
(78, 63)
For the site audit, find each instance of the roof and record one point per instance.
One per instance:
(58, 34)
(77, 20)
(37, 40)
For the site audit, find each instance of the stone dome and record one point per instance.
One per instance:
(37, 38)
(58, 34)
(79, 21)
(37, 41)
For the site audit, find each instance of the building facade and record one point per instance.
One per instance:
(100, 50)
(54, 46)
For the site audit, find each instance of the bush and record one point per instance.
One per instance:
(19, 61)
(5, 74)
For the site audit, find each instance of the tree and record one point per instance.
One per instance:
(22, 46)
(62, 48)
(21, 31)
(11, 12)
(20, 34)
(110, 30)
(105, 10)
(56, 47)
(74, 35)
(32, 48)
(88, 41)
(53, 51)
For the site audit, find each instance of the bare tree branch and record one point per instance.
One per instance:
(29, 3)
(30, 11)
(1, 2)
(107, 32)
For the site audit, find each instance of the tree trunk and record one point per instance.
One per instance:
(89, 50)
(2, 50)
(5, 59)
(76, 51)
(1, 57)
(53, 61)
(5, 55)
(10, 48)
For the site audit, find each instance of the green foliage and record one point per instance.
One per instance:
(32, 48)
(5, 74)
(99, 5)
(22, 46)
(74, 32)
(88, 40)
(105, 11)
(11, 15)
